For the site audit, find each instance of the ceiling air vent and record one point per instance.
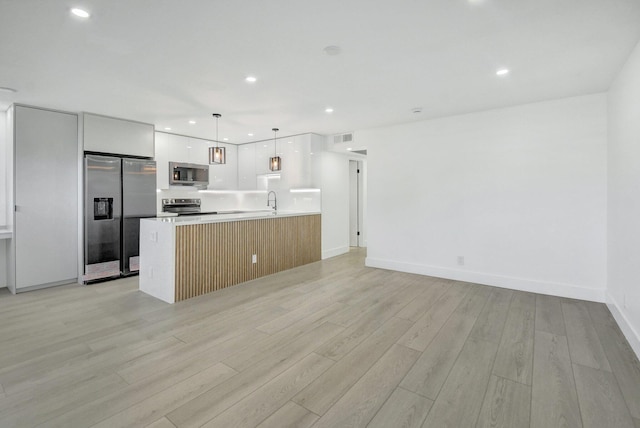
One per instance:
(342, 138)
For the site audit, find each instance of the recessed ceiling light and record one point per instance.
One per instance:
(349, 149)
(328, 110)
(5, 89)
(81, 13)
(225, 139)
(332, 50)
(417, 110)
(167, 129)
(192, 122)
(290, 142)
(502, 72)
(250, 135)
(251, 79)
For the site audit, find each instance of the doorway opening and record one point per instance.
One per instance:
(356, 197)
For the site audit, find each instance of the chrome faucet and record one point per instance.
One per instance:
(275, 200)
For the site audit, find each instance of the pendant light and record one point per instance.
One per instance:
(275, 163)
(217, 154)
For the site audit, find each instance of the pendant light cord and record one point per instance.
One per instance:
(217, 116)
(275, 142)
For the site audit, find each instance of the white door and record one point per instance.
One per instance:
(46, 197)
(354, 206)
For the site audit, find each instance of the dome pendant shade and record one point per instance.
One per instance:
(275, 163)
(217, 154)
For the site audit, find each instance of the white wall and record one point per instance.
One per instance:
(519, 192)
(624, 199)
(11, 262)
(3, 172)
(3, 197)
(335, 204)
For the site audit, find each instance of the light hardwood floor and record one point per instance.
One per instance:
(330, 344)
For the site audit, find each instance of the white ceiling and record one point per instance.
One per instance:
(169, 61)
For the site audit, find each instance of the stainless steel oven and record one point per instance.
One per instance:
(181, 206)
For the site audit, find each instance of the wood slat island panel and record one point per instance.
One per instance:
(212, 256)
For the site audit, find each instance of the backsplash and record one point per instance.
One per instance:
(305, 200)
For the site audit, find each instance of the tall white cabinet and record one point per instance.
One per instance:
(44, 248)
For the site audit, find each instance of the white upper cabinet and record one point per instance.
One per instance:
(117, 136)
(297, 160)
(315, 164)
(299, 155)
(224, 176)
(198, 151)
(264, 151)
(187, 149)
(178, 148)
(162, 160)
(299, 152)
(247, 167)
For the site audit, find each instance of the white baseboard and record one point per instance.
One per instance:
(334, 252)
(47, 285)
(514, 283)
(627, 329)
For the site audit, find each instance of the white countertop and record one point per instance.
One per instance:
(217, 218)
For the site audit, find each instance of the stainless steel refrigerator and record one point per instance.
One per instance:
(118, 192)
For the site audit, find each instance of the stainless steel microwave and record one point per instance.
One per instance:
(188, 174)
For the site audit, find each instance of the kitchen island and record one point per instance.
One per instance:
(184, 257)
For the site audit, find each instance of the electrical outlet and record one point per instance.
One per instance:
(154, 236)
(460, 260)
(254, 258)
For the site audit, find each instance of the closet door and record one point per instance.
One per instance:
(46, 197)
